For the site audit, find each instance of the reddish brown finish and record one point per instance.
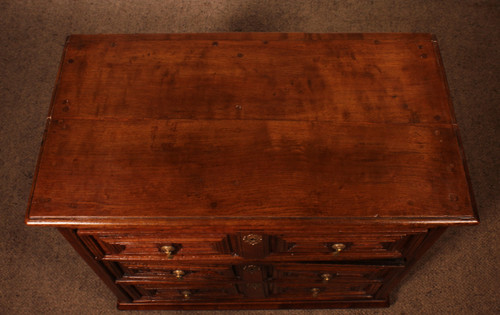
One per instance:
(251, 155)
(334, 80)
(126, 245)
(191, 168)
(315, 155)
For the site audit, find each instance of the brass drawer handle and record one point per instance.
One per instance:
(178, 273)
(315, 291)
(337, 248)
(326, 277)
(168, 250)
(186, 294)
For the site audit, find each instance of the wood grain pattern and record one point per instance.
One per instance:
(348, 80)
(251, 125)
(283, 170)
(190, 168)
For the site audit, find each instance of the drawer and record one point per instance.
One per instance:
(347, 246)
(161, 292)
(232, 248)
(156, 292)
(332, 274)
(341, 291)
(154, 246)
(324, 274)
(145, 271)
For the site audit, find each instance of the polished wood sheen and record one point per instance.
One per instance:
(252, 157)
(255, 168)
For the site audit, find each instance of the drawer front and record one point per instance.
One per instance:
(155, 246)
(134, 272)
(158, 292)
(161, 246)
(347, 246)
(155, 292)
(145, 271)
(327, 274)
(341, 291)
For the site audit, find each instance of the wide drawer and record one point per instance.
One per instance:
(164, 246)
(155, 292)
(307, 273)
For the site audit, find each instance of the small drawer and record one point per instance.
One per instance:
(346, 246)
(331, 274)
(160, 292)
(154, 246)
(341, 291)
(175, 273)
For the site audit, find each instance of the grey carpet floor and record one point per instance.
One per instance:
(41, 274)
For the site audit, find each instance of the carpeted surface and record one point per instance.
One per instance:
(41, 274)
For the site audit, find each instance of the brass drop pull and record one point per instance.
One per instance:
(326, 277)
(186, 294)
(169, 250)
(178, 273)
(337, 248)
(315, 291)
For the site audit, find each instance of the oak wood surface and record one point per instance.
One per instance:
(251, 126)
(189, 168)
(347, 80)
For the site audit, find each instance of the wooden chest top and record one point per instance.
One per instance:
(146, 129)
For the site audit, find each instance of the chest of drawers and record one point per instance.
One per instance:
(251, 170)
